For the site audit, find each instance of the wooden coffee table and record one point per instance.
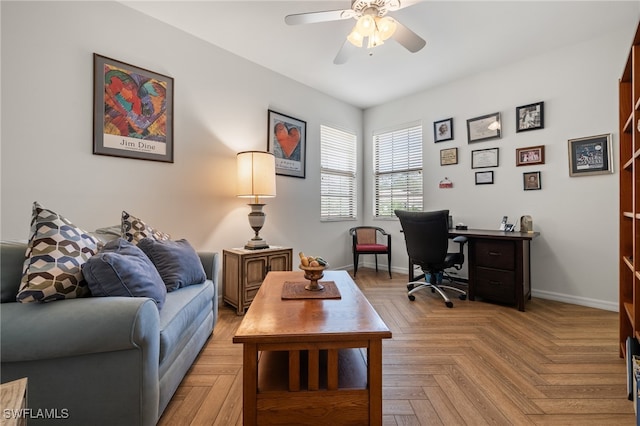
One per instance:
(311, 361)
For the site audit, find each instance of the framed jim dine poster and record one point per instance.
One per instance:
(132, 111)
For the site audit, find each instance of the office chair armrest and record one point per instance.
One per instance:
(460, 240)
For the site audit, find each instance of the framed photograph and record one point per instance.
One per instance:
(590, 155)
(484, 178)
(448, 156)
(483, 158)
(287, 142)
(531, 181)
(530, 117)
(483, 128)
(132, 111)
(530, 155)
(443, 130)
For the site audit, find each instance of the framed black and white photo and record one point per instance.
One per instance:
(287, 142)
(590, 155)
(530, 117)
(448, 156)
(132, 111)
(484, 178)
(531, 181)
(484, 128)
(483, 158)
(443, 130)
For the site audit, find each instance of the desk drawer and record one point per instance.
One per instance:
(495, 284)
(495, 254)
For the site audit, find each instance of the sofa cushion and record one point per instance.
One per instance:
(177, 262)
(122, 269)
(134, 229)
(55, 253)
(183, 310)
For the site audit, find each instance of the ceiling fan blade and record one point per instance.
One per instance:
(410, 40)
(313, 17)
(344, 53)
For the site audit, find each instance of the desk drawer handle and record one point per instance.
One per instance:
(495, 253)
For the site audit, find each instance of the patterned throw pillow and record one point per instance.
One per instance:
(134, 229)
(55, 254)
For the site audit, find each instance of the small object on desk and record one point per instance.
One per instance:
(526, 224)
(461, 227)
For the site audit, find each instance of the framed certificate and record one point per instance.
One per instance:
(483, 158)
(484, 128)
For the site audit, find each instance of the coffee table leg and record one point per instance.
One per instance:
(249, 384)
(374, 371)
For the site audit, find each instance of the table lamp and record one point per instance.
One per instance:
(256, 178)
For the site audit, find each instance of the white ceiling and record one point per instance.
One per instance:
(463, 38)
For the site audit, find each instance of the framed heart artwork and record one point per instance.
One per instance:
(287, 141)
(132, 111)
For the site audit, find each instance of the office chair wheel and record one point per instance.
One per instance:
(410, 286)
(462, 297)
(412, 297)
(449, 304)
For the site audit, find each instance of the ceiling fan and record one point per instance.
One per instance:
(372, 24)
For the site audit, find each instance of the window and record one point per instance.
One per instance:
(337, 174)
(398, 171)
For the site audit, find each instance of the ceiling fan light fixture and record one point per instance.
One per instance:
(355, 38)
(366, 25)
(386, 27)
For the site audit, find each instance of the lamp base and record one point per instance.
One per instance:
(254, 244)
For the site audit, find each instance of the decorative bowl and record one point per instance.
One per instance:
(313, 274)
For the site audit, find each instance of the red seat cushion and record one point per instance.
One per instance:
(371, 247)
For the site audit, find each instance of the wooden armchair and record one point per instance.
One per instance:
(370, 240)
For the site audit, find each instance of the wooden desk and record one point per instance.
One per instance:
(499, 265)
(303, 359)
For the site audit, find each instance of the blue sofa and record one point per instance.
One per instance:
(102, 360)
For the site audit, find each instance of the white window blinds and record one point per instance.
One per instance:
(338, 199)
(398, 171)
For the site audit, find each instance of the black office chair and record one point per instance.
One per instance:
(427, 237)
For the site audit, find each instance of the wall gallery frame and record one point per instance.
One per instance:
(443, 130)
(287, 141)
(448, 156)
(531, 181)
(530, 155)
(530, 117)
(590, 155)
(482, 158)
(484, 128)
(132, 111)
(484, 178)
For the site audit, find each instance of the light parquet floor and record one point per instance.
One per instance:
(475, 364)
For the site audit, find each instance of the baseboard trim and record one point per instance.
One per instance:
(541, 294)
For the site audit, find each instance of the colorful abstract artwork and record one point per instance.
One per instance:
(133, 111)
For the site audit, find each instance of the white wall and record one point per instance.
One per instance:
(221, 104)
(575, 257)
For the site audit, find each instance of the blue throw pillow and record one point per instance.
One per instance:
(177, 262)
(122, 269)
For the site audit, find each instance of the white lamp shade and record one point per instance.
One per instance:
(256, 174)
